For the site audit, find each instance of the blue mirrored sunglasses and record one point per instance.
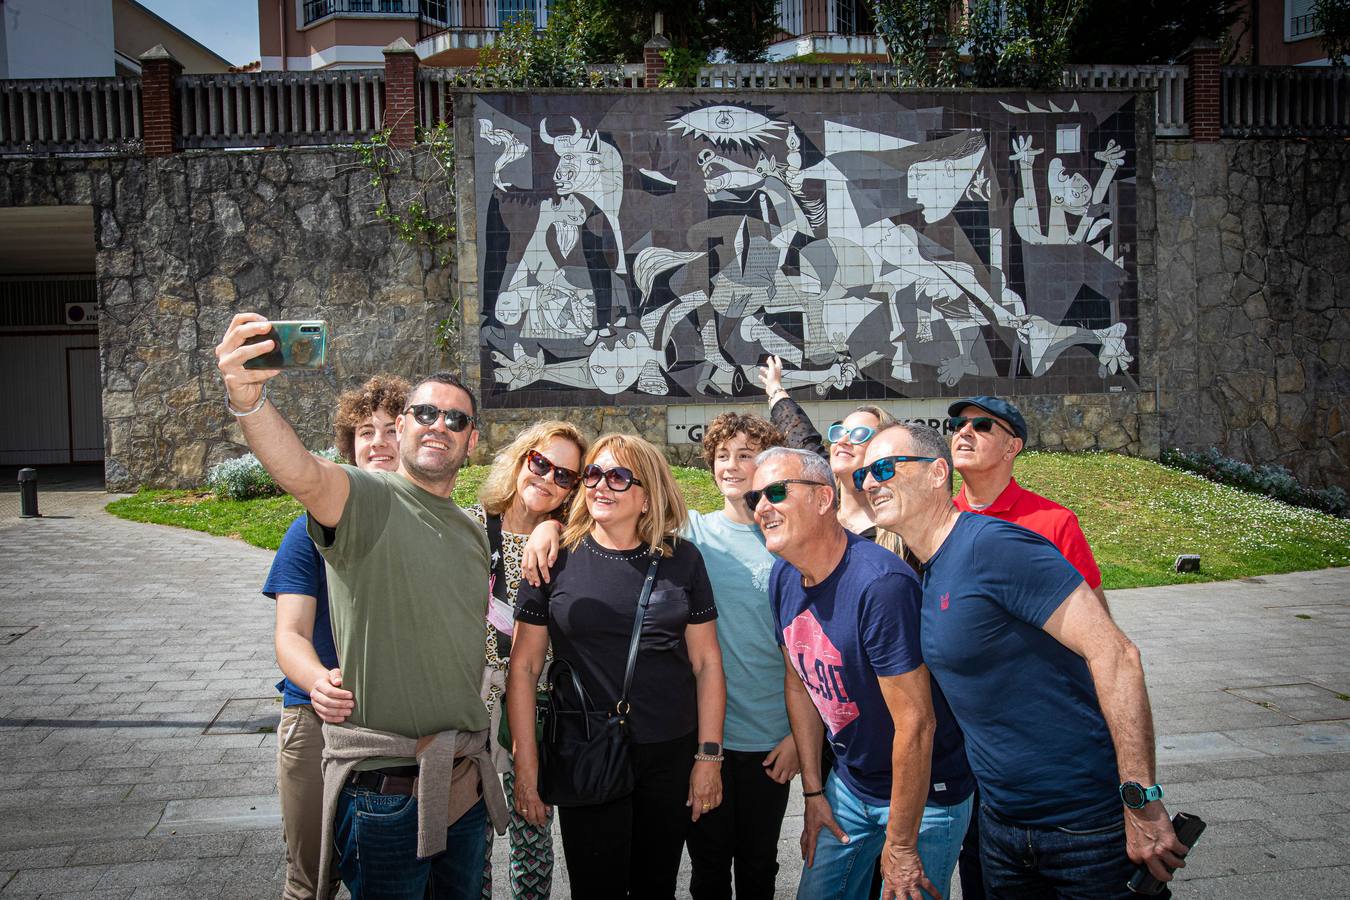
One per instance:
(884, 469)
(858, 434)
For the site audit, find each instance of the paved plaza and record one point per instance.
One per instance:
(137, 710)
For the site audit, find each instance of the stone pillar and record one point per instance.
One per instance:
(400, 93)
(1202, 90)
(653, 61)
(159, 109)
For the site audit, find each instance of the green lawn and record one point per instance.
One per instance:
(1138, 516)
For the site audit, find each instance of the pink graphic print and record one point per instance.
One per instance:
(821, 669)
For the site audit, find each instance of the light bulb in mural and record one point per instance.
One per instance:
(727, 125)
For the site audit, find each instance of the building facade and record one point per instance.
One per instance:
(307, 35)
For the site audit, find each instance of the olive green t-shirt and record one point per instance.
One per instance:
(407, 595)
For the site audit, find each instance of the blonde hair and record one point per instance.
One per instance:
(888, 539)
(498, 490)
(666, 511)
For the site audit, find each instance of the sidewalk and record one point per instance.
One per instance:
(136, 708)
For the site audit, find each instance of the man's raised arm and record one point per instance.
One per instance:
(320, 486)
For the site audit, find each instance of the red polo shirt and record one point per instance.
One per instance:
(1047, 518)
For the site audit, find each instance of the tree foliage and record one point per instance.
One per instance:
(1148, 31)
(1332, 17)
(615, 30)
(909, 27)
(1019, 43)
(1011, 43)
(556, 56)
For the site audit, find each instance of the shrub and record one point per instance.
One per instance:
(245, 478)
(1272, 481)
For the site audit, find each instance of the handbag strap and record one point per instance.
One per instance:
(623, 706)
(498, 548)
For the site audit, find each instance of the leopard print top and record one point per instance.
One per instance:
(512, 550)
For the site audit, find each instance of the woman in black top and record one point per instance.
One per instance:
(629, 847)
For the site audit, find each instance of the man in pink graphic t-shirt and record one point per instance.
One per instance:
(847, 616)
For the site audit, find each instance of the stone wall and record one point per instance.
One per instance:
(184, 242)
(1253, 302)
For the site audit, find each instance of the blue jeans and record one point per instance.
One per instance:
(376, 838)
(1025, 861)
(844, 871)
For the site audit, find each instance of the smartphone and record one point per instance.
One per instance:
(299, 345)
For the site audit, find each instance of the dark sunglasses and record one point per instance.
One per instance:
(776, 492)
(858, 434)
(541, 465)
(884, 469)
(427, 414)
(617, 479)
(982, 424)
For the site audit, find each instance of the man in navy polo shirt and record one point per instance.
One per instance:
(846, 612)
(1048, 691)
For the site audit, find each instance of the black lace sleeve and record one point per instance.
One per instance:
(798, 432)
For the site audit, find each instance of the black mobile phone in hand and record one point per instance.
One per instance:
(298, 345)
(1188, 829)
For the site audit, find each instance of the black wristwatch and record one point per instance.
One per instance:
(1136, 796)
(709, 748)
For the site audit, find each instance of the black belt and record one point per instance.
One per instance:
(394, 780)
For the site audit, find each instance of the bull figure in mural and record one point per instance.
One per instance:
(590, 168)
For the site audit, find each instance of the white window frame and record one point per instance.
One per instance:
(1289, 36)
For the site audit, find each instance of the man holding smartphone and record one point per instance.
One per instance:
(408, 780)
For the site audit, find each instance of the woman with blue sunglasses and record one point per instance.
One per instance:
(845, 451)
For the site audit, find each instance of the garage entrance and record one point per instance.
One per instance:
(50, 388)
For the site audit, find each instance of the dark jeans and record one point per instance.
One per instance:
(1022, 861)
(744, 829)
(972, 873)
(632, 847)
(376, 838)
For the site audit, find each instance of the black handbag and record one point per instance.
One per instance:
(584, 758)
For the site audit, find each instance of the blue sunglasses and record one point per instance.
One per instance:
(884, 469)
(858, 434)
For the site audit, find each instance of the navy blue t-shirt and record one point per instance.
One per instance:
(1034, 729)
(861, 623)
(298, 569)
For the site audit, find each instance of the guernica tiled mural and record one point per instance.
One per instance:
(656, 247)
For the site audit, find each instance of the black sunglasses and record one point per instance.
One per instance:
(541, 465)
(982, 424)
(617, 479)
(427, 414)
(776, 492)
(884, 469)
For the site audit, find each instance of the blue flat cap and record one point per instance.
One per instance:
(996, 407)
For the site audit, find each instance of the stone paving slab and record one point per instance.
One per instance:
(140, 635)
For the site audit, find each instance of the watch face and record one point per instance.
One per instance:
(1132, 794)
(709, 748)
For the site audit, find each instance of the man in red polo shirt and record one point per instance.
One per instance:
(987, 435)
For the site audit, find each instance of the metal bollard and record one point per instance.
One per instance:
(28, 506)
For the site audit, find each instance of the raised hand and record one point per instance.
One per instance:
(244, 387)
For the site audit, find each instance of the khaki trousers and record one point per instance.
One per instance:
(300, 784)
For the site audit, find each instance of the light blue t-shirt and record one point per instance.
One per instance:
(739, 567)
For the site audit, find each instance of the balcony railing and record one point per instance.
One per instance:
(1284, 101)
(435, 87)
(798, 76)
(279, 108)
(437, 10)
(70, 115)
(1167, 82)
